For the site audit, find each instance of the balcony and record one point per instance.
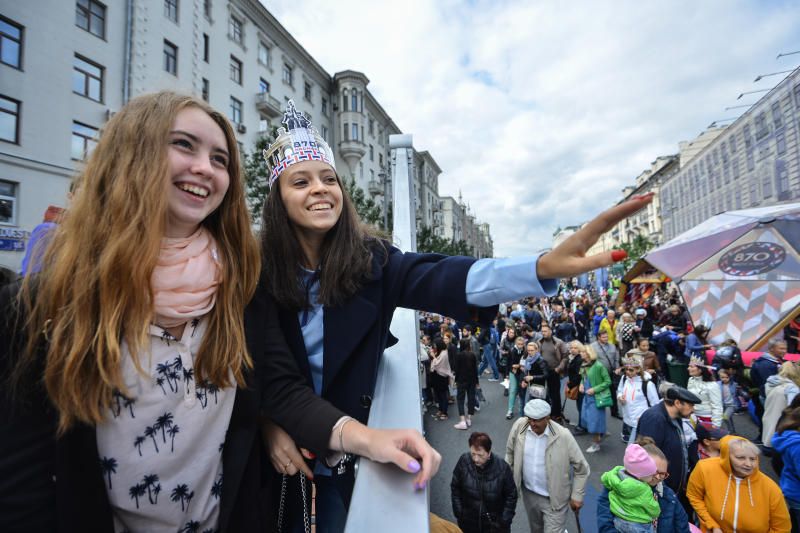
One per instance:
(348, 147)
(375, 188)
(268, 105)
(352, 152)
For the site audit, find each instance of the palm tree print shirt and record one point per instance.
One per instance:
(161, 445)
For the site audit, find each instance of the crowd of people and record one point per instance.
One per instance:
(684, 462)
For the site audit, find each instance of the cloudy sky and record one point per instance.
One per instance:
(541, 112)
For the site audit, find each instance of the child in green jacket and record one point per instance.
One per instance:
(633, 504)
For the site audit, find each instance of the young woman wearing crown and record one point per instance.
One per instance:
(337, 284)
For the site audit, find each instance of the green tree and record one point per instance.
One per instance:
(429, 242)
(256, 179)
(637, 248)
(368, 210)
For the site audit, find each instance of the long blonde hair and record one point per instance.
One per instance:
(94, 287)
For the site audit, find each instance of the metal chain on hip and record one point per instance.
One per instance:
(282, 505)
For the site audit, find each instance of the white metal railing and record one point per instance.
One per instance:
(384, 498)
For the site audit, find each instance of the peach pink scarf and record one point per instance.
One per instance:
(185, 279)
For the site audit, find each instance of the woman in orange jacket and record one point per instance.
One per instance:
(730, 493)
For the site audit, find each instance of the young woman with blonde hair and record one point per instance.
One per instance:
(131, 399)
(596, 388)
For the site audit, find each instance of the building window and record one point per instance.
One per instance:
(324, 106)
(170, 58)
(205, 47)
(263, 86)
(263, 125)
(206, 89)
(235, 111)
(264, 54)
(207, 9)
(354, 132)
(8, 202)
(780, 143)
(84, 139)
(10, 43)
(87, 79)
(307, 91)
(766, 184)
(346, 135)
(380, 160)
(344, 100)
(236, 70)
(762, 130)
(235, 30)
(171, 10)
(90, 15)
(324, 133)
(354, 101)
(777, 116)
(287, 75)
(371, 153)
(9, 120)
(371, 127)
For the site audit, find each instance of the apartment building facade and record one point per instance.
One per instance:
(60, 82)
(754, 162)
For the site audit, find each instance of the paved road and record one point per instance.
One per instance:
(451, 443)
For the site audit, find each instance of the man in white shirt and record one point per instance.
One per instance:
(549, 468)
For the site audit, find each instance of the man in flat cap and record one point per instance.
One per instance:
(540, 453)
(663, 422)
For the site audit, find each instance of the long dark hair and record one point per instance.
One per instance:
(345, 258)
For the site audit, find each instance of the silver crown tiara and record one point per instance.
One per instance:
(299, 141)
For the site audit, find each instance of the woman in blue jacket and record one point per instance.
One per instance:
(673, 518)
(337, 283)
(786, 442)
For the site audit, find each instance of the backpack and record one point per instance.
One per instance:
(643, 389)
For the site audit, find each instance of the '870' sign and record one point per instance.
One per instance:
(752, 259)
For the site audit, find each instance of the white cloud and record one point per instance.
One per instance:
(540, 113)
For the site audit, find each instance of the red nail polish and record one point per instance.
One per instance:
(619, 255)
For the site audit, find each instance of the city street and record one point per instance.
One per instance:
(451, 443)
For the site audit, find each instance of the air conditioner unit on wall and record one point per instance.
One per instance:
(241, 128)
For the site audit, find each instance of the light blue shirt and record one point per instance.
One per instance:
(489, 282)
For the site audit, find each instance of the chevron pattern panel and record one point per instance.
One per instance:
(742, 311)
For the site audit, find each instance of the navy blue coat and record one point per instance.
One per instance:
(672, 519)
(357, 332)
(656, 424)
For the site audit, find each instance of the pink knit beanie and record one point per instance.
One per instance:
(638, 463)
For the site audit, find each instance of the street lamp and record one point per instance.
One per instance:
(753, 92)
(738, 107)
(787, 54)
(715, 123)
(762, 76)
(384, 177)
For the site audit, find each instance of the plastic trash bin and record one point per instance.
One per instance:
(678, 373)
